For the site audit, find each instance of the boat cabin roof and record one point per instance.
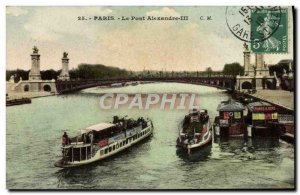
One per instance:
(230, 106)
(100, 127)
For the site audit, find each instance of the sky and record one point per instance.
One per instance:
(191, 45)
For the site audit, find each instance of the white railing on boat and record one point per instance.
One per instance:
(115, 143)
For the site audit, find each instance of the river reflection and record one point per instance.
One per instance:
(198, 155)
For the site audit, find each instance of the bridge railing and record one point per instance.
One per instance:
(151, 78)
(226, 82)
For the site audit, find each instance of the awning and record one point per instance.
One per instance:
(100, 127)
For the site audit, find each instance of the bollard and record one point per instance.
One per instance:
(217, 130)
(249, 130)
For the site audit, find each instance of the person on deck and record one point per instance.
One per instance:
(65, 139)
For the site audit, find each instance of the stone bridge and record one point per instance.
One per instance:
(222, 82)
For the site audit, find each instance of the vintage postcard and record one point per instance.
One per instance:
(150, 97)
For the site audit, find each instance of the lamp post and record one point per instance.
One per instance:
(254, 84)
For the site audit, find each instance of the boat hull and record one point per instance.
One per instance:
(196, 146)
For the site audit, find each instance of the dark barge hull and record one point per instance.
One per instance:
(18, 102)
(184, 146)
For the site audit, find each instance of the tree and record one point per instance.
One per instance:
(96, 71)
(233, 69)
(50, 74)
(208, 71)
(18, 74)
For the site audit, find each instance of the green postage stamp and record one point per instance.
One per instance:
(269, 30)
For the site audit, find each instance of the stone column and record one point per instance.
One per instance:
(64, 75)
(247, 65)
(291, 71)
(260, 65)
(34, 73)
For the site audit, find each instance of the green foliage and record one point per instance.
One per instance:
(45, 75)
(17, 73)
(96, 71)
(50, 74)
(208, 71)
(233, 69)
(83, 71)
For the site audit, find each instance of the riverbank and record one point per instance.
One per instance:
(284, 101)
(281, 98)
(21, 95)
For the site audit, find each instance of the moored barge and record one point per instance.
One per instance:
(262, 120)
(230, 121)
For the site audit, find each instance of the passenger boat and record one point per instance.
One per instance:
(196, 131)
(103, 140)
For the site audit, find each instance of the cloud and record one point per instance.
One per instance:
(163, 12)
(54, 23)
(15, 11)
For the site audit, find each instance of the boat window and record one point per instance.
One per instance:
(106, 150)
(101, 152)
(120, 144)
(114, 147)
(124, 142)
(110, 149)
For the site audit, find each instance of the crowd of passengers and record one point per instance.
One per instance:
(121, 126)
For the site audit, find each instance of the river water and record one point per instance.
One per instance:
(33, 145)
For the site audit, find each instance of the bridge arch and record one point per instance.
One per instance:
(26, 88)
(269, 84)
(47, 87)
(246, 85)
